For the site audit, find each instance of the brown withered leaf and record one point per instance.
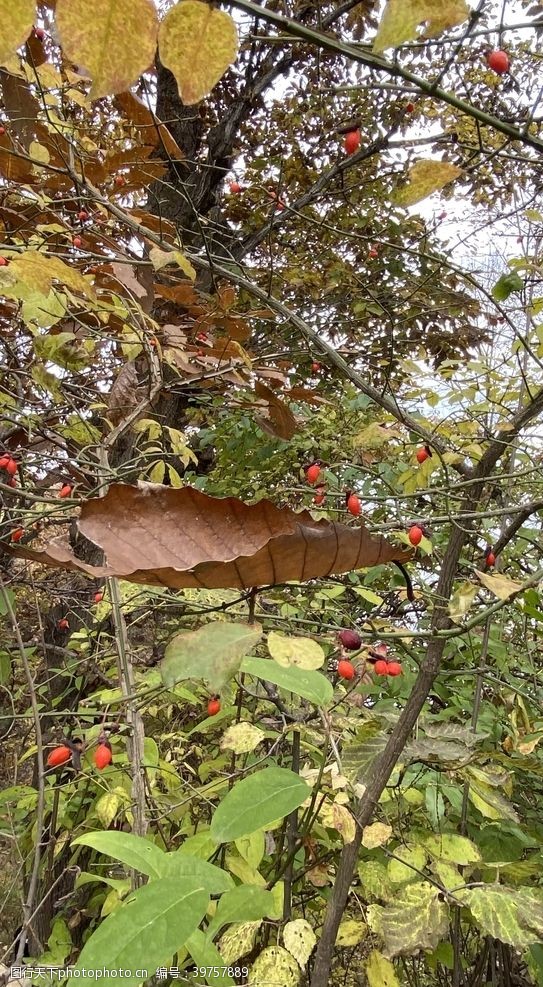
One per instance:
(280, 422)
(125, 394)
(183, 538)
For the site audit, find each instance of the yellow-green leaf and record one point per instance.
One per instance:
(106, 808)
(401, 18)
(376, 835)
(461, 601)
(274, 966)
(38, 271)
(498, 584)
(380, 971)
(299, 939)
(161, 258)
(17, 20)
(425, 176)
(300, 651)
(351, 932)
(197, 43)
(242, 738)
(412, 859)
(238, 940)
(454, 848)
(118, 46)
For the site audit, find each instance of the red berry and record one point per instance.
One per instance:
(2, 131)
(353, 504)
(345, 669)
(316, 367)
(4, 460)
(280, 205)
(63, 624)
(498, 61)
(11, 467)
(3, 261)
(409, 107)
(350, 640)
(12, 482)
(415, 534)
(200, 353)
(17, 534)
(313, 472)
(39, 33)
(394, 668)
(202, 337)
(320, 496)
(352, 141)
(373, 252)
(102, 756)
(422, 455)
(119, 181)
(82, 215)
(235, 188)
(77, 241)
(490, 558)
(381, 667)
(98, 597)
(153, 341)
(58, 756)
(65, 491)
(213, 706)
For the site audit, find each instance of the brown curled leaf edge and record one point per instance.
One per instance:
(184, 538)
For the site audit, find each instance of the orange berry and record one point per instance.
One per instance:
(381, 667)
(313, 472)
(346, 669)
(320, 496)
(354, 506)
(17, 534)
(422, 455)
(65, 491)
(103, 756)
(394, 668)
(352, 141)
(58, 756)
(11, 467)
(235, 188)
(77, 241)
(415, 534)
(98, 597)
(213, 706)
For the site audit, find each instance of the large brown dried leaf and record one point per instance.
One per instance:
(280, 423)
(184, 538)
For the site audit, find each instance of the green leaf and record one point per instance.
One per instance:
(106, 808)
(490, 803)
(507, 284)
(312, 686)
(213, 653)
(5, 668)
(380, 972)
(242, 738)
(199, 872)
(112, 63)
(245, 903)
(399, 871)
(415, 920)
(17, 20)
(197, 43)
(359, 755)
(401, 18)
(257, 801)
(424, 178)
(134, 851)
(238, 940)
(206, 955)
(145, 932)
(302, 652)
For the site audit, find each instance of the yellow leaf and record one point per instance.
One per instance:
(401, 18)
(17, 20)
(106, 808)
(300, 651)
(376, 835)
(461, 601)
(380, 971)
(39, 271)
(116, 48)
(197, 43)
(300, 940)
(274, 966)
(242, 738)
(500, 585)
(161, 258)
(38, 152)
(426, 176)
(351, 932)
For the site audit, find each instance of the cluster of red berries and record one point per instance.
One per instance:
(8, 464)
(63, 754)
(383, 667)
(312, 475)
(352, 641)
